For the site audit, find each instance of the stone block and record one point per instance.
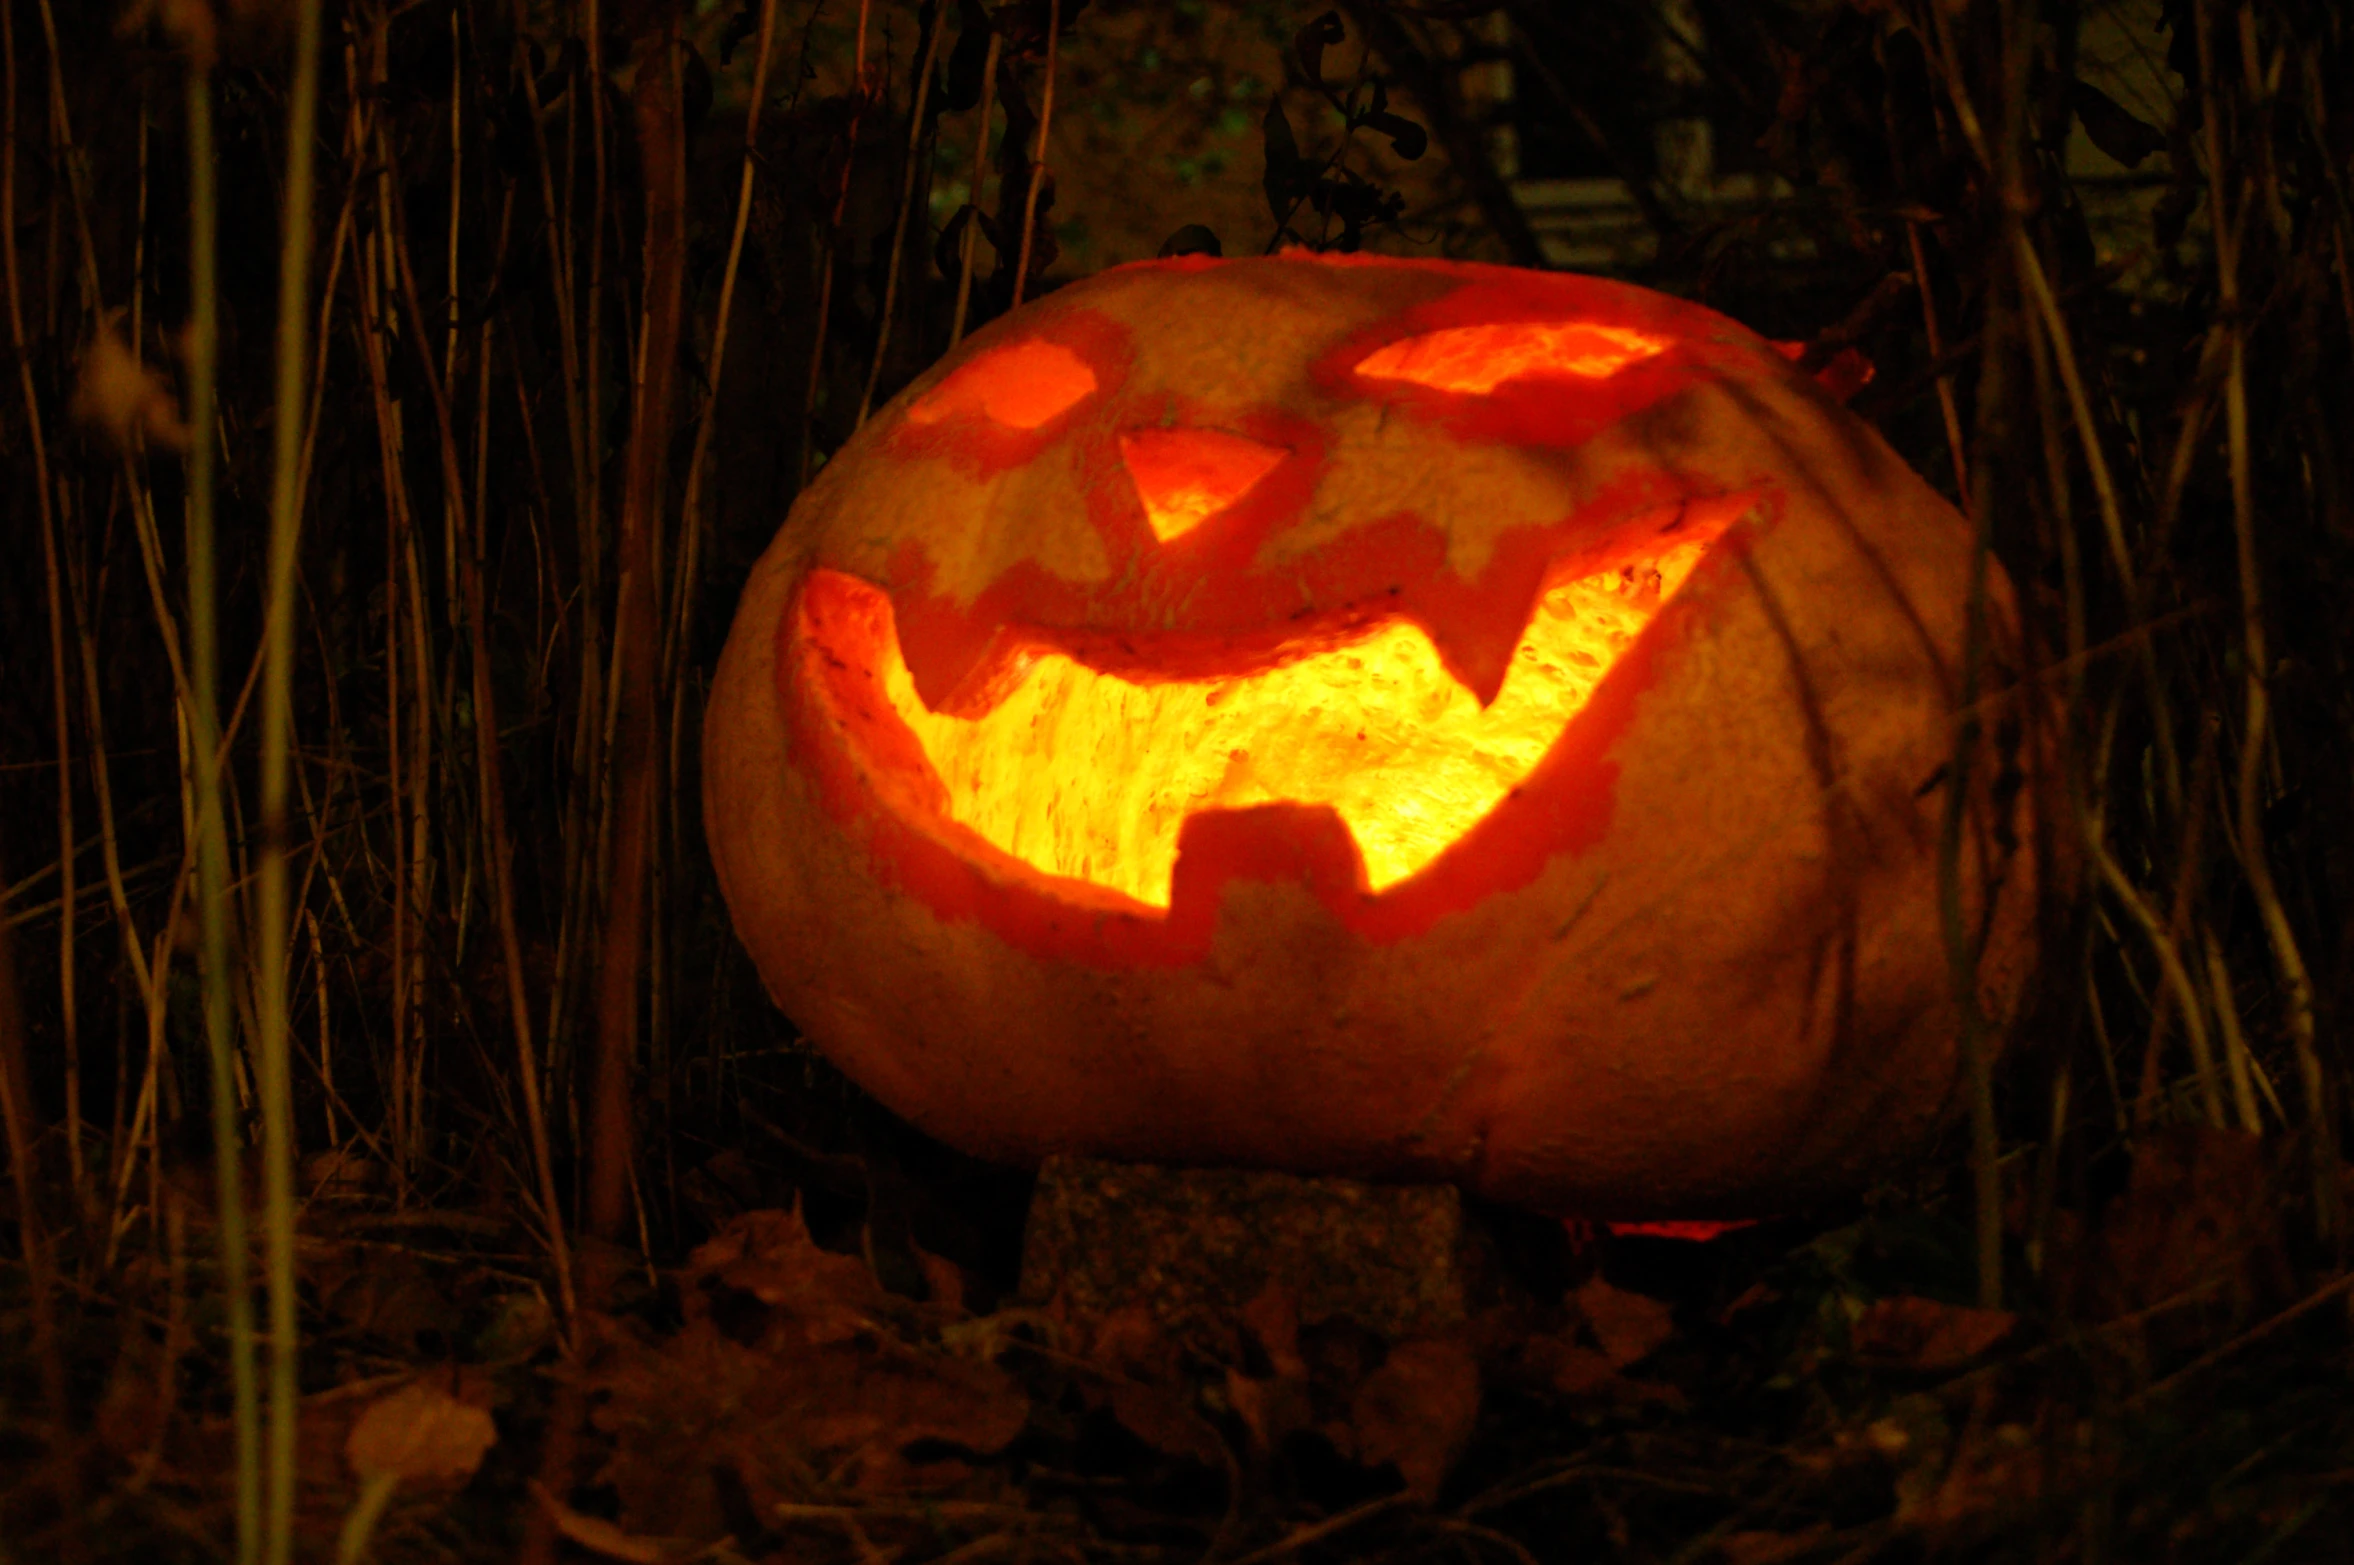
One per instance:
(1192, 1247)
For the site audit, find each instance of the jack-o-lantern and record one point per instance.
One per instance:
(1396, 718)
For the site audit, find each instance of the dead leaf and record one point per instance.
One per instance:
(792, 1360)
(341, 1176)
(2001, 1470)
(943, 1283)
(1272, 1409)
(1754, 1297)
(1281, 1402)
(1164, 1420)
(124, 399)
(1927, 1336)
(1626, 1326)
(1143, 1373)
(599, 1536)
(1559, 1363)
(189, 23)
(769, 1256)
(1273, 1321)
(1567, 1367)
(520, 1325)
(1912, 1442)
(1130, 1342)
(2110, 126)
(420, 1434)
(383, 1293)
(2197, 1218)
(1417, 1411)
(1770, 1548)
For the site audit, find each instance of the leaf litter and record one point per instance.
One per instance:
(1789, 1392)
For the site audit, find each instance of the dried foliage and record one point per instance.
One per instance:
(596, 285)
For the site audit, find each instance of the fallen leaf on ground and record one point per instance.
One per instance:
(382, 1293)
(792, 1360)
(1272, 1409)
(1164, 1420)
(1130, 1342)
(943, 1284)
(1769, 1548)
(1417, 1411)
(2197, 1225)
(1626, 1326)
(770, 1256)
(1273, 1320)
(1927, 1336)
(1559, 1363)
(520, 1325)
(2005, 1470)
(420, 1434)
(1570, 1368)
(601, 1537)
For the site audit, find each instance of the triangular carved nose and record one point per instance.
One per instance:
(1186, 476)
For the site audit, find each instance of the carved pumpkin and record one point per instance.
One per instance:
(1395, 718)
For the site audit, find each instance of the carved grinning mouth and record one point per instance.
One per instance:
(1091, 774)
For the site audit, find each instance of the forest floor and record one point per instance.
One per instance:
(2173, 1386)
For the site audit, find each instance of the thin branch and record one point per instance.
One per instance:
(915, 142)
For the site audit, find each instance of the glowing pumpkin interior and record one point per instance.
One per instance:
(1089, 774)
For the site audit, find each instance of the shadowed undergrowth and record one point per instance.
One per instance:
(590, 290)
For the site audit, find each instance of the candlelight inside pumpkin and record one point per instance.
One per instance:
(1091, 775)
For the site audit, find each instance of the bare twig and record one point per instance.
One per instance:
(1038, 158)
(691, 512)
(860, 93)
(498, 845)
(969, 240)
(2296, 983)
(38, 447)
(915, 143)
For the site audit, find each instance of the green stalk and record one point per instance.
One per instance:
(212, 836)
(277, 721)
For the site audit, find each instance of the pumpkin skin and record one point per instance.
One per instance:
(1685, 961)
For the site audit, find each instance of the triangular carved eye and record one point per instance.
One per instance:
(1186, 476)
(1021, 385)
(1478, 359)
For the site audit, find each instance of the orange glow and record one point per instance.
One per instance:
(1186, 476)
(1478, 359)
(1090, 775)
(1690, 1230)
(1021, 385)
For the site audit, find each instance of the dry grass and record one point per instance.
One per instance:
(349, 792)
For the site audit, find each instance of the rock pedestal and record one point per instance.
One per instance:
(1191, 1247)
